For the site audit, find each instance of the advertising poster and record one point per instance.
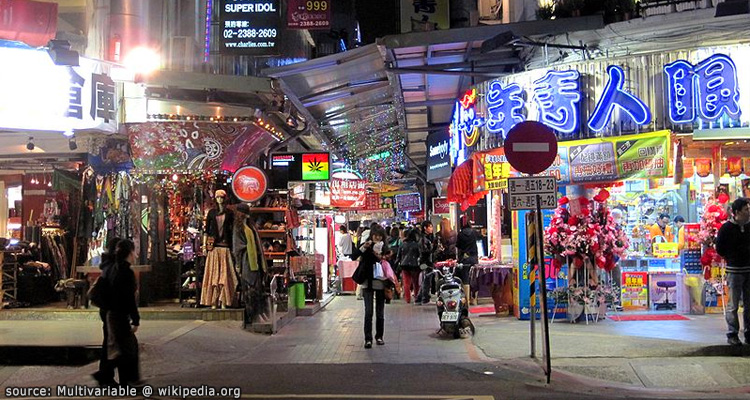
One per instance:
(315, 167)
(491, 170)
(438, 155)
(295, 167)
(424, 15)
(642, 158)
(249, 27)
(410, 202)
(308, 14)
(593, 162)
(348, 193)
(634, 291)
(372, 201)
(560, 168)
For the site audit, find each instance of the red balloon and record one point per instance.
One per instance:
(714, 208)
(604, 193)
(723, 198)
(563, 200)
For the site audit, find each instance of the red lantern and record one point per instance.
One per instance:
(703, 167)
(734, 166)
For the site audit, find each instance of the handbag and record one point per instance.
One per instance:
(359, 276)
(98, 293)
(388, 292)
(210, 243)
(377, 271)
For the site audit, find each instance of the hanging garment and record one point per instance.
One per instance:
(219, 279)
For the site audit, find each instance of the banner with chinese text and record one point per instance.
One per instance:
(348, 193)
(643, 158)
(635, 290)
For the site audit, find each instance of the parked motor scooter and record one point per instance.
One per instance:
(452, 305)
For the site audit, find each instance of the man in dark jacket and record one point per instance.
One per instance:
(426, 248)
(733, 243)
(468, 253)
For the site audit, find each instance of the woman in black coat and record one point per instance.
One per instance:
(105, 376)
(122, 317)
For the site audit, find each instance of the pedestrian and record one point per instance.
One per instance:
(105, 376)
(733, 243)
(373, 288)
(446, 242)
(426, 249)
(345, 243)
(408, 261)
(122, 317)
(468, 254)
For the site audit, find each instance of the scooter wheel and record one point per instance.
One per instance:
(457, 331)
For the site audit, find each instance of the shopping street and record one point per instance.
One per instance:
(324, 353)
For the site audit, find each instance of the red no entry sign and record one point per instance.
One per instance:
(531, 147)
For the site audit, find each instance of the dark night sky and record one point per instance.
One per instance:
(377, 18)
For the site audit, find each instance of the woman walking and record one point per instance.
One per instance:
(408, 261)
(373, 288)
(122, 317)
(105, 376)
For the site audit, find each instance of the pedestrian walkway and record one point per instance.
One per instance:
(689, 354)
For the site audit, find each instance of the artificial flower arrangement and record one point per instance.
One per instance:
(712, 219)
(583, 230)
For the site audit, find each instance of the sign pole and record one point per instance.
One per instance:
(543, 287)
(531, 261)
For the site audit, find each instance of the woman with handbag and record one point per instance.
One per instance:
(371, 276)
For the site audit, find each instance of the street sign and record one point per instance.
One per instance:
(524, 192)
(530, 147)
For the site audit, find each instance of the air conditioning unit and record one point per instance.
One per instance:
(183, 54)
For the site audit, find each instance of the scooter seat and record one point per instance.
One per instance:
(450, 286)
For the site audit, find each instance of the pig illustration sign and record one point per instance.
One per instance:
(249, 184)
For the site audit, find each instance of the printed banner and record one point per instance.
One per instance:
(491, 170)
(348, 193)
(196, 146)
(642, 158)
(593, 162)
(634, 290)
(372, 202)
(308, 14)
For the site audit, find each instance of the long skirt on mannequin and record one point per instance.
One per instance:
(219, 280)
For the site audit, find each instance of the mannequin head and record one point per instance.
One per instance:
(220, 196)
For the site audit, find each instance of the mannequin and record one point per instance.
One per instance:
(219, 277)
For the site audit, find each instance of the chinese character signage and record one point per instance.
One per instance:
(593, 162)
(634, 290)
(711, 87)
(250, 27)
(309, 14)
(372, 201)
(464, 126)
(615, 97)
(642, 158)
(491, 170)
(348, 193)
(36, 94)
(438, 156)
(424, 15)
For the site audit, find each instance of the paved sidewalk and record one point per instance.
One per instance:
(617, 356)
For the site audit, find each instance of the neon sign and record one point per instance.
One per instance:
(558, 94)
(503, 106)
(712, 84)
(615, 97)
(464, 127)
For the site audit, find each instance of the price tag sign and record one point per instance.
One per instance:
(309, 14)
(523, 192)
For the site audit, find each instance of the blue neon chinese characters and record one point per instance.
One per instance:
(614, 96)
(503, 106)
(558, 94)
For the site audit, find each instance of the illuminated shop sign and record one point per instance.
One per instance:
(438, 157)
(251, 27)
(464, 127)
(39, 95)
(615, 97)
(711, 85)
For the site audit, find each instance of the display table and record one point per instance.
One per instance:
(92, 273)
(495, 278)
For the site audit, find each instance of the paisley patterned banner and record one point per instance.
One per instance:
(196, 146)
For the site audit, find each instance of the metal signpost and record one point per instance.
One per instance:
(531, 148)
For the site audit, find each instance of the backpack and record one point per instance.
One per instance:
(409, 255)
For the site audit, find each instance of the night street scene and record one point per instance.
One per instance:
(374, 199)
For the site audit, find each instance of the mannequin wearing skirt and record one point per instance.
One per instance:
(219, 277)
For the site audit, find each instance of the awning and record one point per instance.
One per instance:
(349, 103)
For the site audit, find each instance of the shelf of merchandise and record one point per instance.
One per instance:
(267, 209)
(267, 233)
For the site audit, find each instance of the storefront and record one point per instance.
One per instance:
(51, 116)
(690, 103)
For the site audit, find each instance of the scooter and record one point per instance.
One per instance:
(452, 305)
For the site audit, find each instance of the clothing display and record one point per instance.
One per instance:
(252, 266)
(219, 280)
(54, 248)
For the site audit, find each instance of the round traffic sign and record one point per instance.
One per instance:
(531, 147)
(249, 184)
